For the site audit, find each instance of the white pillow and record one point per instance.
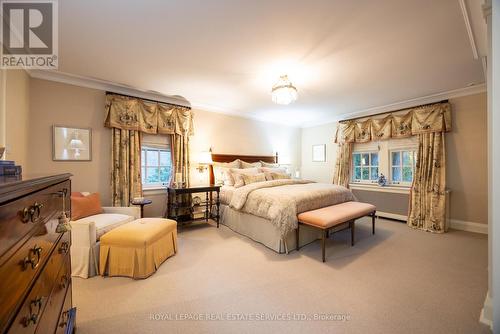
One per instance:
(245, 164)
(267, 164)
(222, 176)
(221, 172)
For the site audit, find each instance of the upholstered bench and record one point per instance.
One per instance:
(333, 216)
(137, 249)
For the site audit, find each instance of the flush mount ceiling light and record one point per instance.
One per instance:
(283, 91)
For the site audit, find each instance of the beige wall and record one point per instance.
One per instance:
(3, 77)
(467, 156)
(55, 103)
(466, 161)
(16, 112)
(62, 104)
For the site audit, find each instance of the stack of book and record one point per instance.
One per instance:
(8, 167)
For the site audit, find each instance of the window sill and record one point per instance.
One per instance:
(386, 189)
(155, 190)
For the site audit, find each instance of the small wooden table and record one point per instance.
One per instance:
(142, 203)
(174, 204)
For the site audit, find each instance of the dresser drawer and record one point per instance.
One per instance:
(52, 312)
(33, 307)
(20, 217)
(17, 273)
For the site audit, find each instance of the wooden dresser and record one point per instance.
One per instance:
(35, 269)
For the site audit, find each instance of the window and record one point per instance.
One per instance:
(156, 166)
(395, 158)
(365, 166)
(402, 166)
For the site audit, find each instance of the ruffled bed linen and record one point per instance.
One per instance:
(226, 193)
(281, 200)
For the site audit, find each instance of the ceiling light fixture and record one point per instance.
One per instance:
(283, 91)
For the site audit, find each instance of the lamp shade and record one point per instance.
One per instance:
(76, 144)
(205, 158)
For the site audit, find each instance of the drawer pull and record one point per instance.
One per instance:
(36, 209)
(26, 213)
(64, 247)
(64, 281)
(32, 213)
(35, 305)
(64, 318)
(33, 260)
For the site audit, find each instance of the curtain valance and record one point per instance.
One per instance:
(425, 119)
(128, 113)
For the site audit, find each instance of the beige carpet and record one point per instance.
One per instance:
(399, 280)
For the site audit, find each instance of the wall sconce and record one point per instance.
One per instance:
(204, 160)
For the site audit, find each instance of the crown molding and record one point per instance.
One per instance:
(476, 89)
(81, 81)
(103, 85)
(468, 27)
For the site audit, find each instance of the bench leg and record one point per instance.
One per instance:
(373, 222)
(323, 241)
(351, 225)
(297, 237)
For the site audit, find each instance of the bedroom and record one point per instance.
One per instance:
(246, 274)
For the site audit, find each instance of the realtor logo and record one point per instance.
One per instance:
(29, 35)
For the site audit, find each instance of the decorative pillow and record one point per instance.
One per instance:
(272, 170)
(267, 164)
(279, 176)
(85, 206)
(237, 175)
(221, 172)
(76, 194)
(222, 176)
(245, 164)
(252, 178)
(268, 170)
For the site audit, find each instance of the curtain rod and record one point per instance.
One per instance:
(150, 100)
(390, 112)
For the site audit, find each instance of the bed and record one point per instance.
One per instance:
(266, 211)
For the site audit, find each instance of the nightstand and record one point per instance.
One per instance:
(174, 204)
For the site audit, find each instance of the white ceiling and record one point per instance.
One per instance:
(224, 55)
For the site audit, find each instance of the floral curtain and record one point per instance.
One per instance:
(427, 198)
(126, 166)
(429, 123)
(128, 113)
(128, 117)
(180, 160)
(425, 119)
(343, 165)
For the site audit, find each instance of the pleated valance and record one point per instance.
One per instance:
(407, 123)
(129, 113)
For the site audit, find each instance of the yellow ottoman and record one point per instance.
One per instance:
(138, 248)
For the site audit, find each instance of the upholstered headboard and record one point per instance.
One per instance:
(247, 158)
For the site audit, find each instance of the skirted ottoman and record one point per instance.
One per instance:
(138, 248)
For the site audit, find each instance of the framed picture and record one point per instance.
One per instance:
(319, 153)
(71, 144)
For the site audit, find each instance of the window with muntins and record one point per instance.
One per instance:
(395, 158)
(402, 166)
(365, 167)
(156, 166)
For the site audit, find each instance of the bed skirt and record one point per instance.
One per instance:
(263, 231)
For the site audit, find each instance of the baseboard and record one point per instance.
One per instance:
(468, 226)
(453, 223)
(389, 215)
(487, 312)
